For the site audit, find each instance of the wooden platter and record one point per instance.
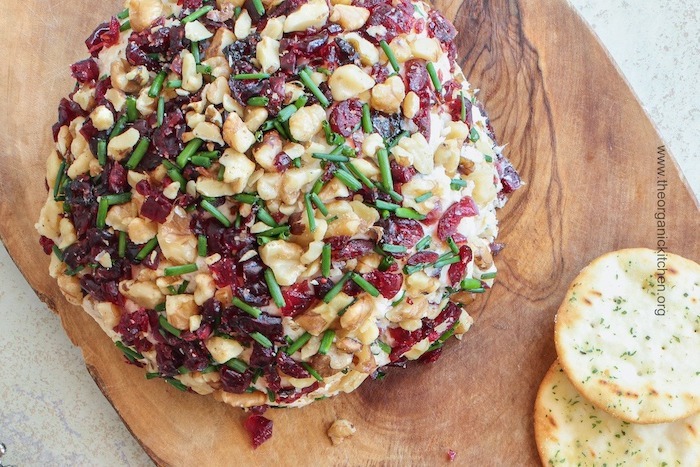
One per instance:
(574, 130)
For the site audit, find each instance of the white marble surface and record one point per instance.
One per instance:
(51, 412)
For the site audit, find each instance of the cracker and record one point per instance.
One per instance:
(571, 431)
(628, 335)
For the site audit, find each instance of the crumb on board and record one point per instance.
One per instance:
(339, 430)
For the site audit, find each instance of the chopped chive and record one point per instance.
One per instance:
(366, 286)
(274, 288)
(396, 140)
(183, 370)
(488, 159)
(446, 335)
(121, 248)
(271, 395)
(183, 287)
(488, 275)
(347, 179)
(57, 251)
(132, 113)
(457, 184)
(237, 365)
(176, 384)
(174, 83)
(242, 76)
(424, 197)
(408, 270)
(203, 69)
(258, 101)
(160, 113)
(188, 152)
(394, 248)
(287, 112)
(350, 167)
(160, 307)
(409, 213)
(118, 127)
(395, 196)
(268, 125)
(324, 70)
(386, 348)
(386, 263)
(326, 260)
(440, 263)
(463, 109)
(312, 371)
(246, 198)
(423, 243)
(73, 272)
(337, 287)
(125, 26)
(470, 283)
(259, 7)
(220, 173)
(308, 82)
(330, 157)
(201, 161)
(163, 321)
(390, 55)
(59, 179)
(265, 217)
(474, 135)
(209, 369)
(326, 341)
(310, 212)
(124, 14)
(260, 339)
(297, 162)
(453, 246)
(281, 129)
(298, 344)
(152, 375)
(301, 101)
(120, 198)
(130, 353)
(477, 290)
(282, 230)
(218, 215)
(433, 76)
(367, 126)
(345, 308)
(202, 245)
(179, 270)
(138, 153)
(252, 311)
(331, 136)
(102, 209)
(197, 14)
(385, 169)
(157, 85)
(209, 154)
(318, 186)
(176, 176)
(385, 205)
(319, 204)
(194, 49)
(399, 300)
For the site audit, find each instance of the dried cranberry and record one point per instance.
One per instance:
(85, 71)
(105, 35)
(290, 367)
(510, 179)
(323, 286)
(440, 28)
(346, 116)
(431, 356)
(223, 272)
(135, 56)
(156, 208)
(395, 19)
(401, 174)
(379, 72)
(46, 244)
(447, 226)
(422, 120)
(132, 326)
(298, 298)
(191, 4)
(68, 110)
(398, 231)
(282, 162)
(353, 249)
(291, 394)
(387, 283)
(422, 257)
(116, 178)
(233, 381)
(262, 356)
(260, 429)
(457, 270)
(416, 78)
(196, 355)
(286, 7)
(273, 89)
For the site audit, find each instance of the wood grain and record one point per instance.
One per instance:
(574, 130)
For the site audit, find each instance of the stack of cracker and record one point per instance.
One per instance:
(625, 389)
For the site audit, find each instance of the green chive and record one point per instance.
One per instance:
(183, 287)
(345, 308)
(282, 230)
(218, 215)
(384, 205)
(176, 176)
(457, 184)
(201, 161)
(287, 112)
(220, 173)
(260, 339)
(174, 83)
(337, 287)
(350, 167)
(318, 186)
(274, 288)
(366, 286)
(197, 14)
(118, 127)
(132, 113)
(163, 321)
(463, 110)
(441, 340)
(188, 152)
(203, 69)
(433, 76)
(301, 101)
(130, 353)
(237, 365)
(298, 344)
(396, 140)
(453, 246)
(281, 130)
(326, 341)
(120, 198)
(202, 245)
(440, 263)
(183, 370)
(259, 7)
(330, 157)
(73, 272)
(390, 55)
(311, 86)
(395, 196)
(474, 134)
(409, 213)
(394, 248)
(385, 169)
(488, 275)
(470, 284)
(246, 198)
(424, 197)
(265, 217)
(367, 126)
(154, 375)
(138, 153)
(312, 371)
(332, 137)
(319, 204)
(488, 159)
(194, 49)
(240, 304)
(399, 300)
(179, 270)
(121, 249)
(326, 260)
(268, 125)
(104, 204)
(408, 270)
(124, 14)
(157, 84)
(160, 114)
(271, 395)
(386, 263)
(243, 76)
(297, 162)
(59, 179)
(125, 26)
(310, 212)
(258, 101)
(209, 154)
(347, 179)
(57, 251)
(176, 384)
(386, 348)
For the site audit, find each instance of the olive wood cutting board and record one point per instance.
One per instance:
(576, 133)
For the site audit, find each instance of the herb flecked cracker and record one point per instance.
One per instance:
(628, 335)
(571, 431)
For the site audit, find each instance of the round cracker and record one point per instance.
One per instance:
(571, 431)
(628, 335)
